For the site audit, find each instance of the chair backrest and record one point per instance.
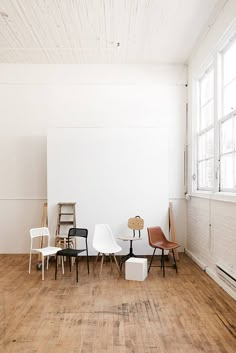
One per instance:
(136, 224)
(103, 237)
(77, 233)
(39, 233)
(155, 236)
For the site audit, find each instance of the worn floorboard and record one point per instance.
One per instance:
(187, 312)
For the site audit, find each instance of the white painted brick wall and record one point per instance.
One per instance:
(215, 244)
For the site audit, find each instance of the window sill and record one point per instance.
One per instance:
(217, 196)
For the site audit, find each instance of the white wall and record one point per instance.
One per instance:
(211, 224)
(111, 173)
(37, 97)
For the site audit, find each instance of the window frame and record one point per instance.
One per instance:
(216, 63)
(226, 117)
(200, 132)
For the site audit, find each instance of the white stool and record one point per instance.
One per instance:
(136, 269)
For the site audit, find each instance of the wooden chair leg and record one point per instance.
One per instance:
(110, 257)
(42, 268)
(118, 268)
(101, 265)
(95, 263)
(30, 260)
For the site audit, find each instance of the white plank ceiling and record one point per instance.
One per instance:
(102, 31)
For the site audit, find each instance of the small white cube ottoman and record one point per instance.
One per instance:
(136, 269)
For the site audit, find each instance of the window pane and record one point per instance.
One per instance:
(234, 133)
(229, 66)
(205, 174)
(227, 171)
(235, 170)
(230, 97)
(206, 145)
(227, 136)
(201, 147)
(206, 87)
(207, 115)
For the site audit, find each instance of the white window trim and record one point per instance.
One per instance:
(217, 196)
(222, 118)
(198, 133)
(216, 60)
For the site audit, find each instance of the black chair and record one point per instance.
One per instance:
(71, 252)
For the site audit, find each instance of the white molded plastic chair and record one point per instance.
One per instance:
(104, 242)
(44, 251)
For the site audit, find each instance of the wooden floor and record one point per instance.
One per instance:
(184, 313)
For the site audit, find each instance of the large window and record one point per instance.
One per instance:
(228, 120)
(216, 128)
(205, 133)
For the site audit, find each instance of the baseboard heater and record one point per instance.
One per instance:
(227, 276)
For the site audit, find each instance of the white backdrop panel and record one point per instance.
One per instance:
(112, 174)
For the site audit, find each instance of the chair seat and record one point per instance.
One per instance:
(111, 249)
(49, 250)
(70, 252)
(166, 245)
(128, 238)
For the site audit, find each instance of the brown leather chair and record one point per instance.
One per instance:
(157, 240)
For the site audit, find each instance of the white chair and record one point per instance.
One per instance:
(48, 250)
(104, 242)
(136, 224)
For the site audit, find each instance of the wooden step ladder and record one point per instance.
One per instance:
(66, 219)
(44, 223)
(172, 230)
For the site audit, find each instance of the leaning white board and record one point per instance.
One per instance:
(112, 174)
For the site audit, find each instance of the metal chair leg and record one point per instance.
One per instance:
(70, 263)
(163, 262)
(87, 256)
(151, 259)
(56, 268)
(62, 265)
(77, 275)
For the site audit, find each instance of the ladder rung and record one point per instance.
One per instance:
(66, 214)
(66, 203)
(66, 222)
